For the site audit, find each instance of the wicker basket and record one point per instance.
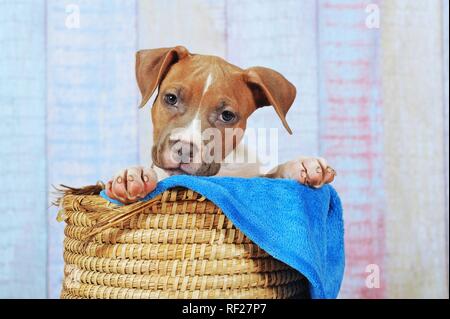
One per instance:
(178, 245)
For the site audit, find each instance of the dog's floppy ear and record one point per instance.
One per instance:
(152, 65)
(271, 88)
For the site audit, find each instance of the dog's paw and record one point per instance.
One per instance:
(312, 171)
(132, 184)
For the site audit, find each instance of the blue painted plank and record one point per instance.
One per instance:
(280, 35)
(23, 241)
(92, 101)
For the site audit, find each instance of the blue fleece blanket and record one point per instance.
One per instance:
(296, 224)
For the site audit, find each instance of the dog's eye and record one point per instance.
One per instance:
(227, 116)
(170, 99)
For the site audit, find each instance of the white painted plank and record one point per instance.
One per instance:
(198, 25)
(414, 149)
(445, 43)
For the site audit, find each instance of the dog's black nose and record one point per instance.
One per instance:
(183, 152)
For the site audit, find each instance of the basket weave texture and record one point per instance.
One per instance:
(178, 245)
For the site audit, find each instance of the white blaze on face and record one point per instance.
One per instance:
(208, 82)
(193, 131)
(190, 133)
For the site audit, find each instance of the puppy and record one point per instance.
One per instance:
(202, 95)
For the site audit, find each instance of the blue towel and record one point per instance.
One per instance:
(296, 224)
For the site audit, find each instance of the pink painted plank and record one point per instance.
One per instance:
(351, 134)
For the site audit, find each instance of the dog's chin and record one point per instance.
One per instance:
(186, 169)
(174, 171)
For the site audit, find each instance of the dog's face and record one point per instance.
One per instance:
(202, 106)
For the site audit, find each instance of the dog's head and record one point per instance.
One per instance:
(202, 106)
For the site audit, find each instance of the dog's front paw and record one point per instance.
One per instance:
(132, 184)
(312, 171)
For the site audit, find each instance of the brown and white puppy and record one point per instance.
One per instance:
(200, 94)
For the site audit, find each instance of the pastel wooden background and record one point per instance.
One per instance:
(372, 100)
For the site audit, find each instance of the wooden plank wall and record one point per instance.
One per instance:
(374, 101)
